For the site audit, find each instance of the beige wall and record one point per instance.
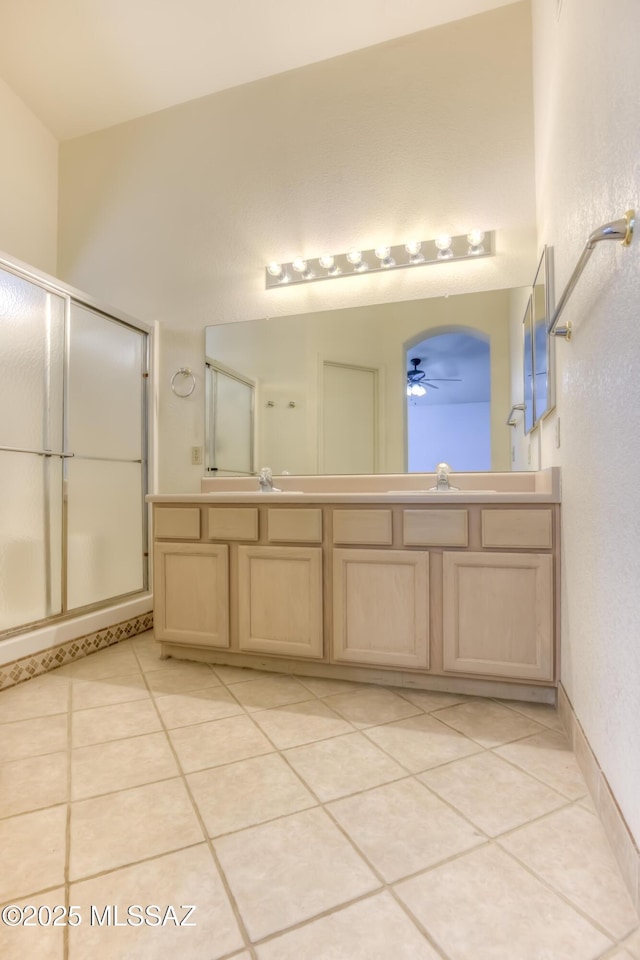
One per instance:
(587, 103)
(173, 217)
(28, 184)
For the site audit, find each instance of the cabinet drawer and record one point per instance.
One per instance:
(517, 528)
(362, 526)
(435, 528)
(176, 523)
(295, 526)
(231, 523)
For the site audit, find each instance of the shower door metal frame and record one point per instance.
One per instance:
(72, 295)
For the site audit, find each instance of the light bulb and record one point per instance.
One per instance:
(443, 243)
(327, 262)
(413, 248)
(384, 256)
(409, 390)
(475, 238)
(355, 257)
(300, 266)
(418, 390)
(274, 269)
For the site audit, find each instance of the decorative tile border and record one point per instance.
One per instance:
(38, 663)
(615, 827)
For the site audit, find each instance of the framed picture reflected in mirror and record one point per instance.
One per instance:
(527, 368)
(543, 344)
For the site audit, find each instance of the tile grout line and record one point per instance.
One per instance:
(322, 804)
(534, 776)
(385, 886)
(67, 851)
(562, 896)
(223, 878)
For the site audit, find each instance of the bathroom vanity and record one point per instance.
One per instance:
(367, 578)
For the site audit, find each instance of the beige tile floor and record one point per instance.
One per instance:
(304, 819)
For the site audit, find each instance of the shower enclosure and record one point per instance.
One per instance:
(73, 453)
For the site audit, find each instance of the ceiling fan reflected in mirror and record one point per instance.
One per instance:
(418, 381)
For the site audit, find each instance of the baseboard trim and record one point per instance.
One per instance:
(43, 661)
(615, 826)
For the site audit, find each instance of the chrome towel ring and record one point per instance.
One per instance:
(189, 382)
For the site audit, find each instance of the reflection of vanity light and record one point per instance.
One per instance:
(327, 262)
(475, 238)
(413, 248)
(443, 242)
(384, 256)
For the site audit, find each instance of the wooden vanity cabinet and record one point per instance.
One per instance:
(461, 593)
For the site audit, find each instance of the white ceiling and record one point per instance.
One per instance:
(82, 65)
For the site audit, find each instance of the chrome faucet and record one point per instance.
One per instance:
(442, 478)
(265, 479)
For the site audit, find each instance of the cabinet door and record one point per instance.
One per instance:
(498, 614)
(381, 607)
(191, 593)
(280, 600)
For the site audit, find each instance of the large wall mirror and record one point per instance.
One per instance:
(332, 392)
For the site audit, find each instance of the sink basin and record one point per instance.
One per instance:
(438, 493)
(253, 493)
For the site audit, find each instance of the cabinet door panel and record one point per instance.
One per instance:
(381, 607)
(498, 614)
(191, 595)
(280, 600)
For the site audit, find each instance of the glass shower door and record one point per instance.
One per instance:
(106, 479)
(31, 450)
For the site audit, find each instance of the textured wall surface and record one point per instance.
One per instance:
(28, 185)
(587, 104)
(173, 217)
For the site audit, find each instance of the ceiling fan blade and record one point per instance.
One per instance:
(444, 379)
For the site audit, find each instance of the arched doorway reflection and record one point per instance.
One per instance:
(449, 418)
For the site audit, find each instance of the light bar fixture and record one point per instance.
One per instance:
(414, 253)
